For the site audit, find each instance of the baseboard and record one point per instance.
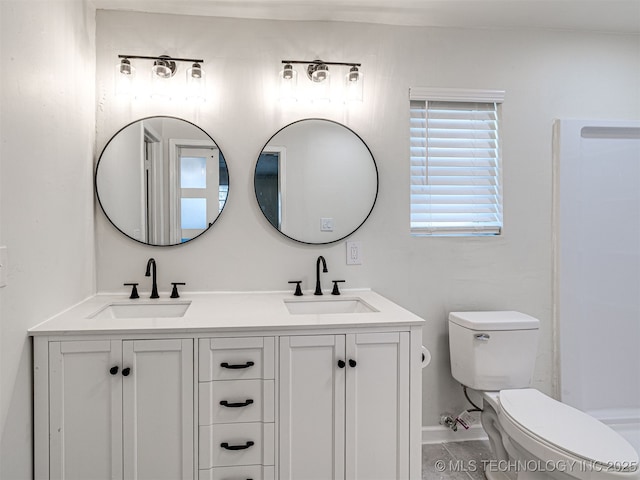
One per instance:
(440, 434)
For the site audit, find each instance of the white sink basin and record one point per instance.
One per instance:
(142, 310)
(331, 305)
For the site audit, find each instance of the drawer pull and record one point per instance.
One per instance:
(246, 403)
(226, 446)
(237, 367)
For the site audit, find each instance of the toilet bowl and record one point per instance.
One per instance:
(532, 436)
(548, 439)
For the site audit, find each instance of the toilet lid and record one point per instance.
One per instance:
(566, 428)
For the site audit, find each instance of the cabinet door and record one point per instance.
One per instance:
(312, 407)
(85, 410)
(377, 403)
(158, 409)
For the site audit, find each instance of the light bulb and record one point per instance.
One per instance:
(195, 83)
(288, 84)
(125, 76)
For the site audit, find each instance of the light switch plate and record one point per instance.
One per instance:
(326, 224)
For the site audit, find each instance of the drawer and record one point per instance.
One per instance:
(236, 358)
(228, 444)
(252, 472)
(234, 401)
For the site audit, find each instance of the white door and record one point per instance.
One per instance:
(194, 188)
(377, 406)
(312, 407)
(85, 417)
(158, 409)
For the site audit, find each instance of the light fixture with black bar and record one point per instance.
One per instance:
(318, 73)
(164, 67)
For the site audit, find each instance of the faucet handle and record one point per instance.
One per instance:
(298, 292)
(174, 291)
(335, 290)
(134, 290)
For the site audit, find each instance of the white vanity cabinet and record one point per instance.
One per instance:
(237, 388)
(116, 409)
(236, 421)
(344, 406)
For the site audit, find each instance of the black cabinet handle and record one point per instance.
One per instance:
(237, 367)
(341, 363)
(226, 446)
(246, 403)
(352, 362)
(126, 371)
(113, 370)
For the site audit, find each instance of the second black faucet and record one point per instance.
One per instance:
(324, 269)
(154, 289)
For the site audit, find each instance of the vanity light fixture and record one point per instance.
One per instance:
(318, 73)
(164, 68)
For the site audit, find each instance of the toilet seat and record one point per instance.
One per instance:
(569, 430)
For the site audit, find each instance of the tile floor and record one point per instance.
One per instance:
(455, 460)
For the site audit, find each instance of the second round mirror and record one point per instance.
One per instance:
(316, 181)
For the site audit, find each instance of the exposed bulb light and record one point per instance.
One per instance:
(353, 75)
(195, 83)
(288, 72)
(125, 67)
(288, 83)
(163, 69)
(353, 85)
(318, 72)
(195, 71)
(125, 76)
(319, 75)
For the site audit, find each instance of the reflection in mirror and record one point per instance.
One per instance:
(316, 181)
(162, 181)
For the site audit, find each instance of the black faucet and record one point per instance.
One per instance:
(324, 269)
(154, 288)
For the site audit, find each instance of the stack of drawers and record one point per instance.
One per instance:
(236, 408)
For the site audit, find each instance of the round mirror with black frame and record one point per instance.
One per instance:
(162, 181)
(316, 181)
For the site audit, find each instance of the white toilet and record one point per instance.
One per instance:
(532, 436)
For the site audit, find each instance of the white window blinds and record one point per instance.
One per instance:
(455, 165)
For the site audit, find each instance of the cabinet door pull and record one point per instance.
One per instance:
(237, 367)
(341, 364)
(126, 371)
(246, 403)
(226, 446)
(352, 362)
(113, 370)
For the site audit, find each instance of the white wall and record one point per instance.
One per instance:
(47, 120)
(546, 75)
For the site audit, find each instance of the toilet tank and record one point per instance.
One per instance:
(493, 350)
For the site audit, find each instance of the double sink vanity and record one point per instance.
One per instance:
(229, 386)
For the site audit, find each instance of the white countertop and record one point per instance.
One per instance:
(224, 311)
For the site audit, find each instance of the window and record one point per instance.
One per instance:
(455, 162)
